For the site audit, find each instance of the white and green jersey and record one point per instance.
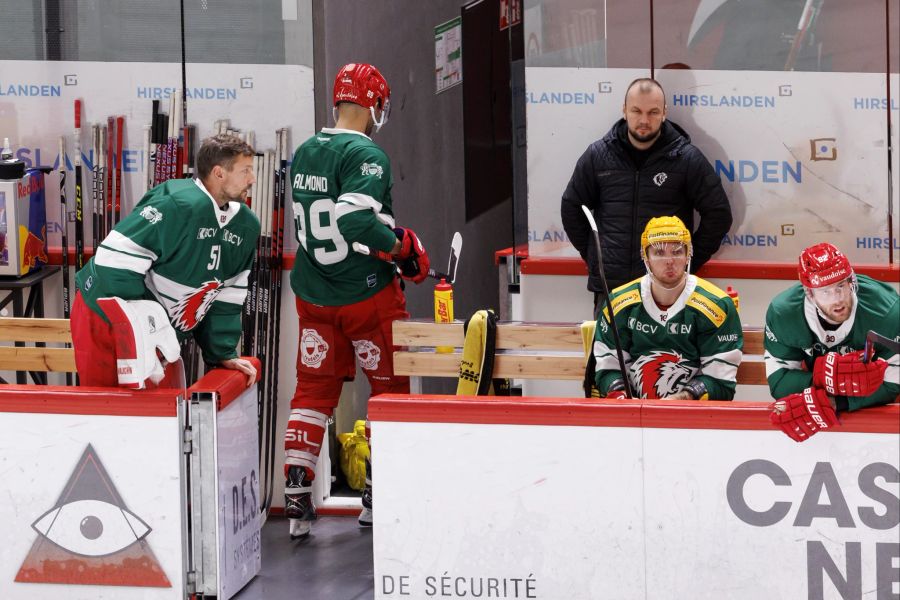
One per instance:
(699, 337)
(179, 248)
(795, 337)
(341, 188)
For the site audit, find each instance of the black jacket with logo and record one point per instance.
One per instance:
(676, 179)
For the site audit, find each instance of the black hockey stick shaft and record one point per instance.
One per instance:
(610, 316)
(284, 144)
(79, 195)
(64, 225)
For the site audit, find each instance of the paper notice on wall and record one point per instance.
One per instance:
(448, 54)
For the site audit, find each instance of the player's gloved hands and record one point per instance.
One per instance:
(616, 390)
(803, 415)
(847, 374)
(412, 257)
(145, 340)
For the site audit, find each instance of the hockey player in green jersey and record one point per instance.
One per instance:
(815, 339)
(681, 336)
(187, 246)
(346, 300)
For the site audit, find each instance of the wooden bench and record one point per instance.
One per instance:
(38, 359)
(526, 351)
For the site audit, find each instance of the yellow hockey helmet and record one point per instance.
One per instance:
(661, 230)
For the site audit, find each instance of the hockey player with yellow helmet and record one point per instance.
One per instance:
(681, 336)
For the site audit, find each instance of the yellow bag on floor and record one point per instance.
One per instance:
(354, 452)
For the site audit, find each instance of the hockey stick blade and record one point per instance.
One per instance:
(873, 338)
(453, 261)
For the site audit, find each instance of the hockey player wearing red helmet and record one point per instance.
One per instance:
(815, 339)
(347, 300)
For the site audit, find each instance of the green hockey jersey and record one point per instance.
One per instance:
(341, 188)
(698, 337)
(179, 248)
(795, 338)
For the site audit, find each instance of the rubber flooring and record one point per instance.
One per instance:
(333, 563)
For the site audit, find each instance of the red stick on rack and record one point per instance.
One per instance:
(120, 127)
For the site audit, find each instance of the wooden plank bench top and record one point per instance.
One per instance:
(19, 358)
(526, 351)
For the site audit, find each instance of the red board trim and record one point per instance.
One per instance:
(57, 399)
(663, 414)
(227, 383)
(714, 269)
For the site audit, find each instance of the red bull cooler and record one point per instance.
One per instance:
(23, 224)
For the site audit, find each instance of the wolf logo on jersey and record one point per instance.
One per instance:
(191, 309)
(660, 374)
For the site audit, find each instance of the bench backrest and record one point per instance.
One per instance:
(20, 358)
(526, 351)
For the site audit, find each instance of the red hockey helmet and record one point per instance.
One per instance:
(364, 85)
(822, 265)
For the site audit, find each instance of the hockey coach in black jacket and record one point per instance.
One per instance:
(644, 167)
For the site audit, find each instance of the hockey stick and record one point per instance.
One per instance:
(145, 160)
(807, 17)
(873, 338)
(110, 169)
(120, 127)
(277, 270)
(64, 223)
(611, 315)
(452, 263)
(79, 197)
(96, 182)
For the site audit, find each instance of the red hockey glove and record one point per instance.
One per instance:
(802, 415)
(847, 374)
(616, 395)
(412, 258)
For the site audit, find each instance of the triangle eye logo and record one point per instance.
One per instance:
(89, 537)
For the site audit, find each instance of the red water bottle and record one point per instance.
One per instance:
(734, 297)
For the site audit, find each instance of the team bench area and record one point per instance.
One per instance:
(526, 351)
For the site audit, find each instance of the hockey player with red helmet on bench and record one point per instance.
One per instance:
(815, 342)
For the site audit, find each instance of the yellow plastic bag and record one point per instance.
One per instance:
(354, 453)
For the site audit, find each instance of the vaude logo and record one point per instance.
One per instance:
(659, 179)
(372, 169)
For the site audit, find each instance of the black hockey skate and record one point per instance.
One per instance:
(298, 505)
(365, 517)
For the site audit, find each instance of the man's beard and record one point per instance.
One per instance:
(240, 197)
(650, 137)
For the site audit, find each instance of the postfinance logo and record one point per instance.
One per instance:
(90, 537)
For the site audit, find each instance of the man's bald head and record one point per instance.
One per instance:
(644, 85)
